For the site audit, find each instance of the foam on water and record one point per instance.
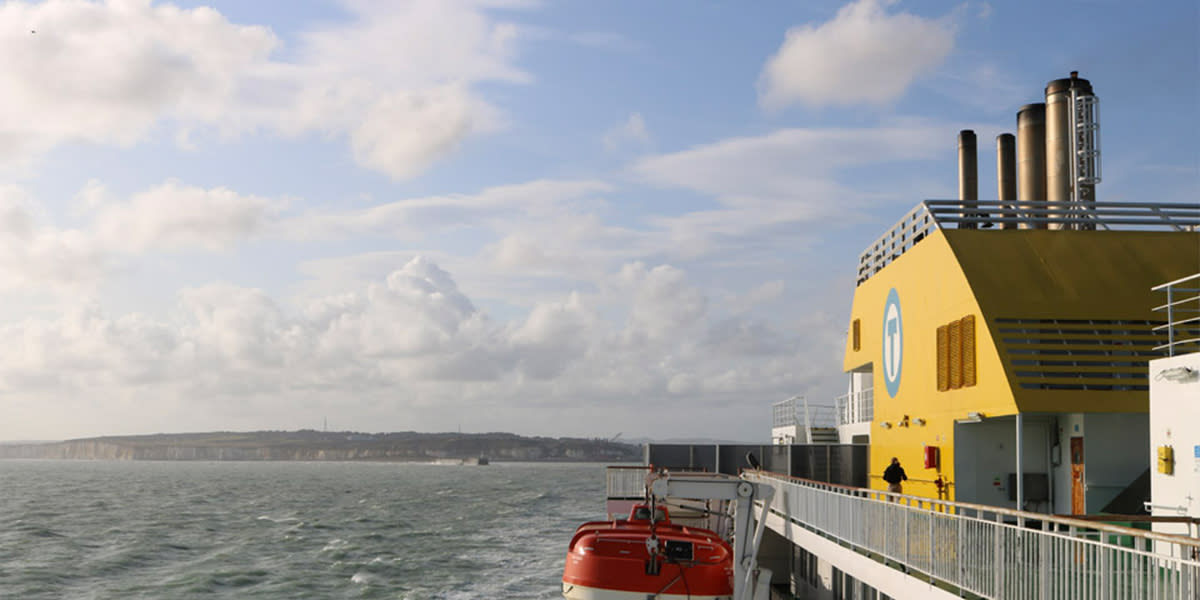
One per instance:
(289, 530)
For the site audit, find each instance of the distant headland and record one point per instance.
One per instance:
(310, 445)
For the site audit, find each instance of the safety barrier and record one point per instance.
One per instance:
(994, 552)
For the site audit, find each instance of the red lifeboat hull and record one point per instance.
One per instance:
(610, 560)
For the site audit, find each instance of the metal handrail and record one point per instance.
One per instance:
(932, 215)
(1178, 326)
(626, 481)
(856, 407)
(993, 552)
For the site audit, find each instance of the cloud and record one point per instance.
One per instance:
(396, 80)
(496, 206)
(788, 177)
(108, 72)
(410, 344)
(863, 56)
(32, 253)
(174, 215)
(405, 132)
(632, 131)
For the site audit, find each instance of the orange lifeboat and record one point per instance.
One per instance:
(644, 557)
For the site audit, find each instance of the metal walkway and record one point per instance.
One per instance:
(992, 552)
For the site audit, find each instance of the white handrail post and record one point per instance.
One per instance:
(1020, 459)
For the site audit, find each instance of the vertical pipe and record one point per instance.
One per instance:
(1062, 148)
(1059, 186)
(1031, 159)
(1006, 177)
(968, 178)
(1020, 457)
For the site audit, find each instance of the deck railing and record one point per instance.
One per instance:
(1183, 315)
(993, 552)
(626, 482)
(932, 215)
(857, 407)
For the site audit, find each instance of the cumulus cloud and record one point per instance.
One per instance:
(865, 55)
(33, 253)
(107, 72)
(395, 80)
(410, 344)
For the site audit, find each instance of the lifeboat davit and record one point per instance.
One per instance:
(642, 558)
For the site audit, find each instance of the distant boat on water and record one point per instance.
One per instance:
(481, 460)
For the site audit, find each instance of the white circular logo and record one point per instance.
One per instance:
(893, 343)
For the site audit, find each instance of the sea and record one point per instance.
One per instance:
(129, 529)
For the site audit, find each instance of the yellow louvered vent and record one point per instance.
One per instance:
(943, 358)
(1079, 354)
(856, 335)
(956, 354)
(968, 350)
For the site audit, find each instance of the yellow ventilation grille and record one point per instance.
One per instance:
(943, 358)
(968, 350)
(856, 335)
(956, 354)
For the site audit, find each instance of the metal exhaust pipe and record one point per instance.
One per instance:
(1031, 161)
(1063, 183)
(968, 178)
(1006, 178)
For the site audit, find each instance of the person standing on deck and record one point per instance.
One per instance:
(893, 475)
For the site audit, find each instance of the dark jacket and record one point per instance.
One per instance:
(894, 474)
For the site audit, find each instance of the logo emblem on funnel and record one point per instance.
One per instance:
(893, 343)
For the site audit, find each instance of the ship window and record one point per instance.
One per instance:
(856, 335)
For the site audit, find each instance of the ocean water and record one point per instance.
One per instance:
(81, 529)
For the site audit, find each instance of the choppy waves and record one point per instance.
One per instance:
(289, 530)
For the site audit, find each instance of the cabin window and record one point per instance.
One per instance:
(856, 335)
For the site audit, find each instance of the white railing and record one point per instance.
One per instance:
(1183, 315)
(783, 413)
(857, 407)
(932, 215)
(993, 552)
(626, 483)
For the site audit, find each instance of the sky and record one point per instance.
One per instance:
(556, 218)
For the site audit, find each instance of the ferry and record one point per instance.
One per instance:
(1033, 363)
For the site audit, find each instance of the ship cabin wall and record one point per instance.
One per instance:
(910, 412)
(1175, 425)
(1060, 323)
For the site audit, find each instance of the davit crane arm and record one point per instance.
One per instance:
(743, 494)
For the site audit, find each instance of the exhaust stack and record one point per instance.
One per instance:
(1072, 145)
(1006, 178)
(1031, 160)
(968, 177)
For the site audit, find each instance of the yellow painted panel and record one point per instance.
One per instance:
(1064, 277)
(932, 291)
